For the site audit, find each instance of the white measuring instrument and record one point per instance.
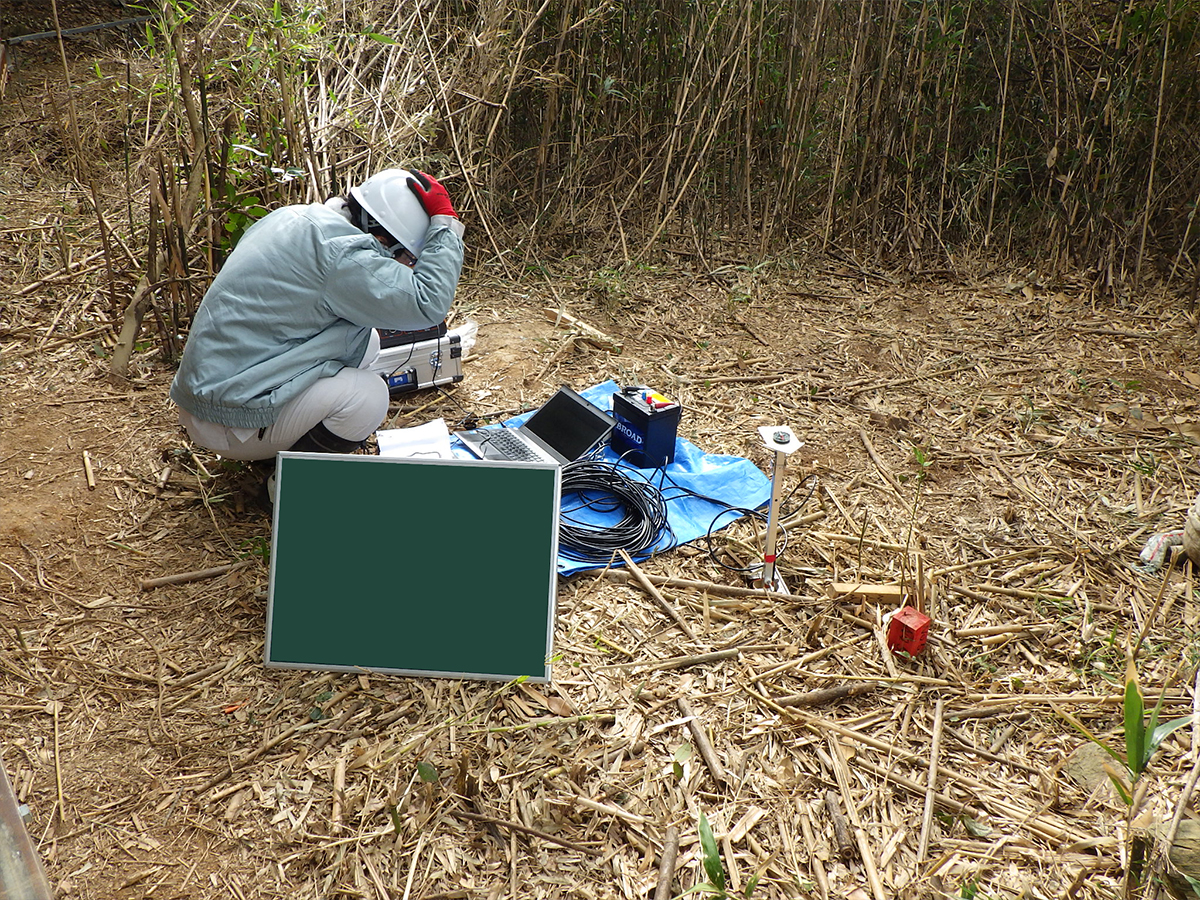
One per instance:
(780, 440)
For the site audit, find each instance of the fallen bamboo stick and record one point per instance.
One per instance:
(185, 577)
(935, 747)
(524, 829)
(615, 811)
(88, 472)
(666, 865)
(711, 586)
(678, 662)
(825, 695)
(255, 754)
(586, 332)
(865, 852)
(707, 753)
(658, 598)
(841, 834)
(880, 464)
(1001, 700)
(884, 593)
(810, 844)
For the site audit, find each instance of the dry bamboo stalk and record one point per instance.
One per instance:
(412, 867)
(825, 695)
(987, 235)
(998, 701)
(63, 273)
(186, 577)
(678, 662)
(62, 342)
(979, 563)
(587, 332)
(205, 672)
(61, 803)
(935, 747)
(886, 593)
(658, 598)
(1023, 634)
(608, 810)
(666, 864)
(339, 791)
(841, 834)
(905, 679)
(885, 653)
(1146, 204)
(274, 742)
(879, 463)
(707, 753)
(524, 829)
(88, 474)
(990, 630)
(807, 658)
(992, 752)
(944, 801)
(810, 844)
(865, 851)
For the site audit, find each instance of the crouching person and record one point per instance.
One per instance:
(277, 353)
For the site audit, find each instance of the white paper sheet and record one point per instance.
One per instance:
(431, 440)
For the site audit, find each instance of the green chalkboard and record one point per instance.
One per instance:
(413, 566)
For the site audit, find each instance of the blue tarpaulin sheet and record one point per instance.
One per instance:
(730, 481)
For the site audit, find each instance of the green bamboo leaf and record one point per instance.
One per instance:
(1135, 728)
(394, 813)
(975, 828)
(427, 771)
(1120, 786)
(1082, 729)
(382, 38)
(1159, 732)
(712, 856)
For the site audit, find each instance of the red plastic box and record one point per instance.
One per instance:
(908, 631)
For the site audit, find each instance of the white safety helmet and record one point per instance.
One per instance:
(385, 197)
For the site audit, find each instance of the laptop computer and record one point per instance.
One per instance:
(565, 428)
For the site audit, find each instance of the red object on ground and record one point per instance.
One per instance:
(908, 631)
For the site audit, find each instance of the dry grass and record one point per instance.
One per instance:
(161, 759)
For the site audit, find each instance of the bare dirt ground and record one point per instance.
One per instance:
(998, 445)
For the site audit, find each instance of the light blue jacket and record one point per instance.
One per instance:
(295, 302)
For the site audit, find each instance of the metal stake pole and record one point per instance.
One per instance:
(777, 470)
(781, 441)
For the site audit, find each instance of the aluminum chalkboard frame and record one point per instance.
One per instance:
(427, 567)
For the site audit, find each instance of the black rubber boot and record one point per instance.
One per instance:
(320, 439)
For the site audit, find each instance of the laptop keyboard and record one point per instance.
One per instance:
(512, 446)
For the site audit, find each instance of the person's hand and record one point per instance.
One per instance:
(434, 198)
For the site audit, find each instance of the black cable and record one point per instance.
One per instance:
(412, 348)
(605, 487)
(743, 511)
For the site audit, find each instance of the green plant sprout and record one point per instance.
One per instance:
(714, 868)
(257, 547)
(1142, 736)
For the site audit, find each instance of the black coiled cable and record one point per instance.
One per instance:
(606, 487)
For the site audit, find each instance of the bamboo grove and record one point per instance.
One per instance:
(895, 132)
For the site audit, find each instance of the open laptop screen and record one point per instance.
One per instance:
(569, 424)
